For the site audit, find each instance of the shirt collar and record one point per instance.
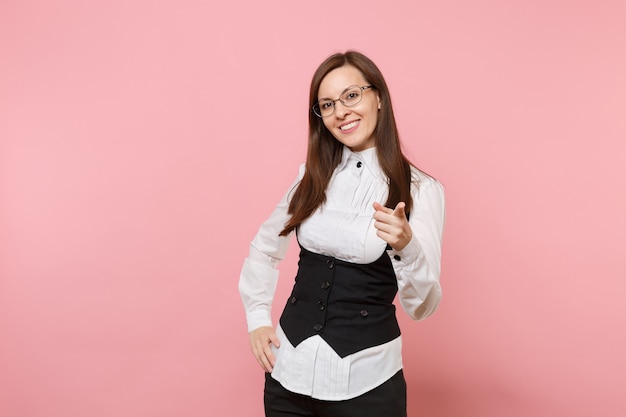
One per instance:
(368, 157)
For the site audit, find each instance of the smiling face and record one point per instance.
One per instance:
(352, 126)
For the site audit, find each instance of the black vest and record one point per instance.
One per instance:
(349, 305)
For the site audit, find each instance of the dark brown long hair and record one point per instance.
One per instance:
(324, 151)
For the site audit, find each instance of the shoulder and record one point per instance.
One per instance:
(420, 179)
(296, 183)
(301, 170)
(427, 192)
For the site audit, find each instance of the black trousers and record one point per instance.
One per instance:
(386, 400)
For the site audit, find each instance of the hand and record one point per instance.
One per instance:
(392, 225)
(260, 340)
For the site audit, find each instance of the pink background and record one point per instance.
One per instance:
(143, 142)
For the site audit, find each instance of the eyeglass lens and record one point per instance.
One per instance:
(349, 98)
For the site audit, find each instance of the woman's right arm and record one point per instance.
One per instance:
(259, 277)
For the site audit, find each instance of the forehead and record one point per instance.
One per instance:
(336, 81)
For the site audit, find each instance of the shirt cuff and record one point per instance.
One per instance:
(258, 318)
(408, 254)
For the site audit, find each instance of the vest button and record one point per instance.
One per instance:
(330, 264)
(364, 313)
(293, 300)
(322, 306)
(317, 327)
(326, 285)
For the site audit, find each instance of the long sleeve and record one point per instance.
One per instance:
(259, 275)
(418, 265)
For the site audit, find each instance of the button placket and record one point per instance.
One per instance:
(322, 302)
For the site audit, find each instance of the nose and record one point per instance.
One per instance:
(341, 111)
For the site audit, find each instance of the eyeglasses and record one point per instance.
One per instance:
(349, 98)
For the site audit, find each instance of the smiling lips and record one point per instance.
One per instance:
(348, 127)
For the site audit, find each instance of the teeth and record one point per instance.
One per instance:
(349, 125)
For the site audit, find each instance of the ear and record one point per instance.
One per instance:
(378, 99)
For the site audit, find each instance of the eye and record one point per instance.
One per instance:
(352, 96)
(326, 104)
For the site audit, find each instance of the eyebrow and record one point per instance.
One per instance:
(344, 90)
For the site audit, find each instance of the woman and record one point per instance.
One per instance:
(369, 225)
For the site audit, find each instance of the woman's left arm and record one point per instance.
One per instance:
(416, 247)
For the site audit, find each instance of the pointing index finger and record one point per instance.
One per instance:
(399, 210)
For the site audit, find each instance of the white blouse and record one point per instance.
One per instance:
(344, 228)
